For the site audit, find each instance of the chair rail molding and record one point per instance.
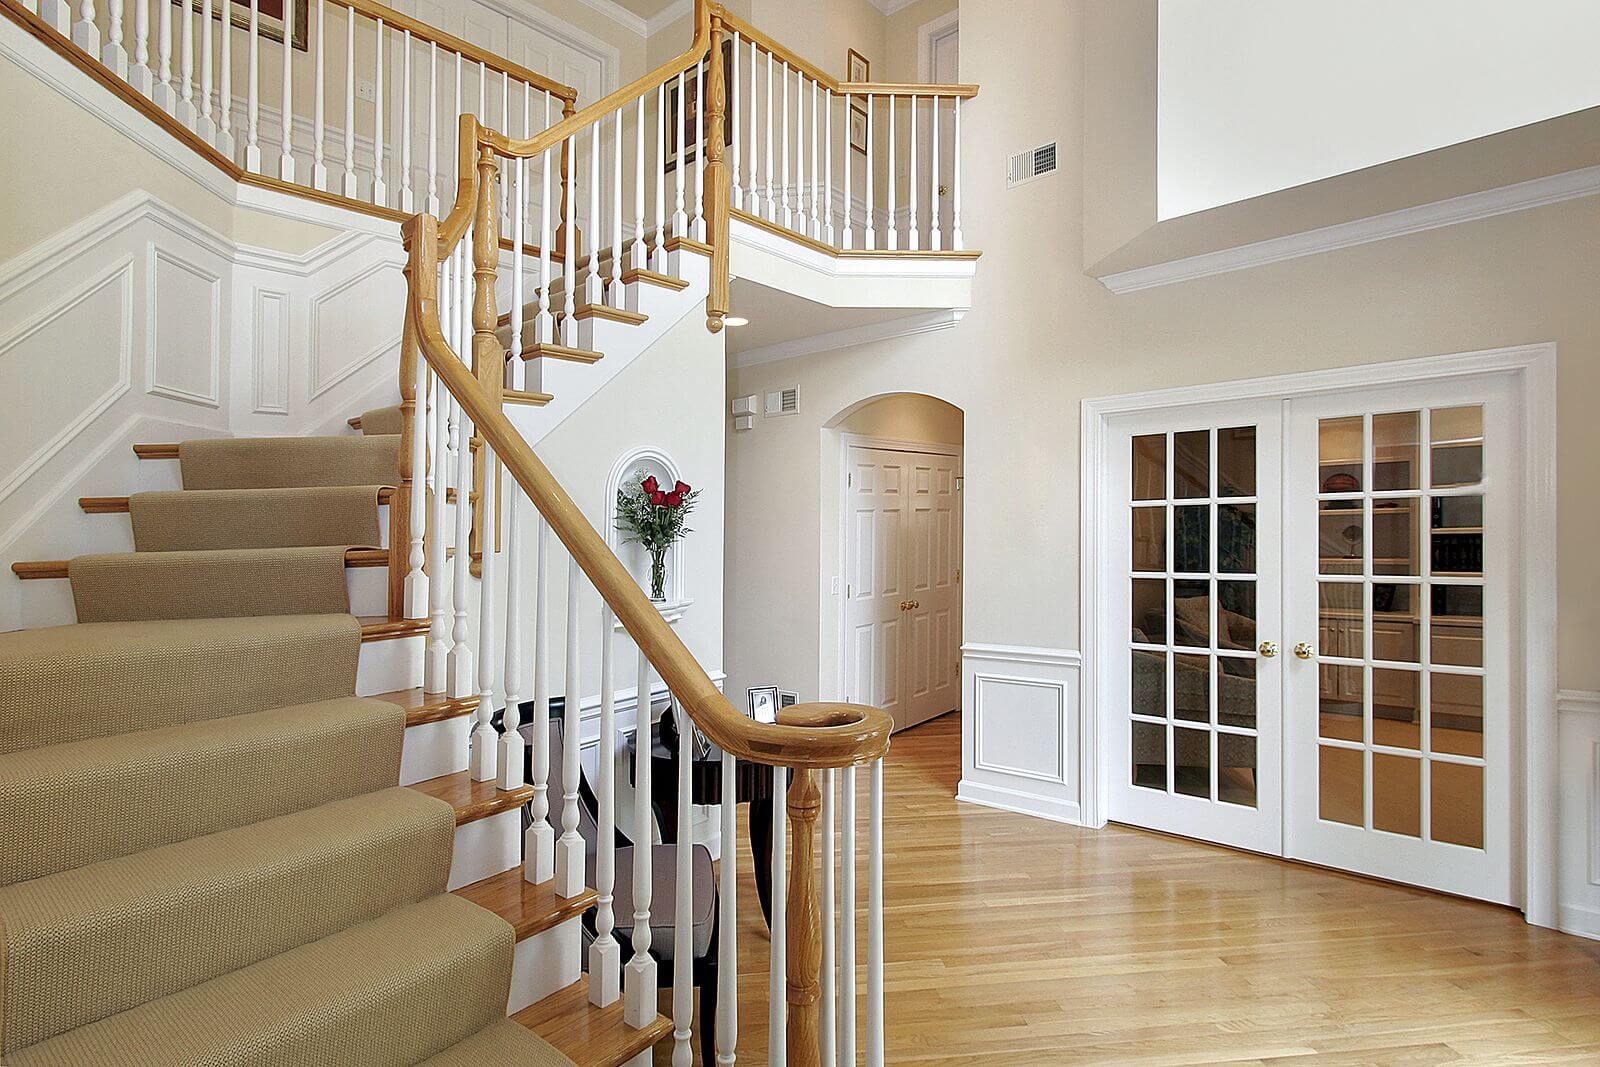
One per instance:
(1019, 725)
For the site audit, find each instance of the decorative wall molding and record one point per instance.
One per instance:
(157, 347)
(269, 380)
(321, 380)
(906, 326)
(1472, 207)
(1020, 727)
(1578, 702)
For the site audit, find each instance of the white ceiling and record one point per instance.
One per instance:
(779, 318)
(645, 8)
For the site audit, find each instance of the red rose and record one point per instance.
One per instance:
(658, 498)
(682, 488)
(649, 485)
(674, 499)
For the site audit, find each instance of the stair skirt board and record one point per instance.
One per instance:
(544, 963)
(435, 749)
(486, 847)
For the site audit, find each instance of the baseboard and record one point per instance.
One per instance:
(1012, 800)
(1578, 920)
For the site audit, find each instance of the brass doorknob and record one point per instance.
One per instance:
(1268, 649)
(915, 604)
(1303, 650)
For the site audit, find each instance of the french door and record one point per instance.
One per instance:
(1316, 600)
(902, 594)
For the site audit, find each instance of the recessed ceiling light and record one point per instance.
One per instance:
(735, 320)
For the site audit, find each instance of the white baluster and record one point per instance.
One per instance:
(697, 226)
(461, 662)
(847, 919)
(57, 14)
(891, 180)
(348, 187)
(208, 125)
(683, 903)
(225, 143)
(252, 144)
(186, 109)
(416, 589)
(658, 256)
(772, 198)
(736, 195)
(827, 166)
(485, 746)
(539, 843)
(871, 238)
(435, 661)
(114, 54)
(826, 1027)
(786, 134)
(935, 209)
(955, 184)
(639, 981)
(636, 257)
(816, 151)
(727, 1021)
(286, 158)
(605, 955)
(570, 848)
(433, 127)
(754, 206)
(777, 992)
(319, 163)
(406, 196)
(86, 35)
(913, 240)
(680, 220)
(802, 218)
(569, 262)
(543, 324)
(513, 760)
(614, 288)
(593, 291)
(849, 189)
(875, 920)
(380, 187)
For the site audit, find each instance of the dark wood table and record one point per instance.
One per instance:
(752, 783)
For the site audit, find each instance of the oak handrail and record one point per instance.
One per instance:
(828, 81)
(810, 736)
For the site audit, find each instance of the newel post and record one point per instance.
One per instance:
(805, 926)
(488, 356)
(404, 573)
(718, 180)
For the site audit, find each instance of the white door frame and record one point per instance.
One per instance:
(847, 441)
(1532, 372)
(929, 34)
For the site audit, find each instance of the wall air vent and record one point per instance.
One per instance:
(1027, 166)
(783, 401)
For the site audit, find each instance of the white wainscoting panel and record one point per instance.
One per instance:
(1019, 730)
(1578, 887)
(270, 372)
(183, 327)
(342, 342)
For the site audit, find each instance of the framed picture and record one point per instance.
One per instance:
(856, 67)
(270, 14)
(682, 120)
(787, 699)
(764, 703)
(858, 129)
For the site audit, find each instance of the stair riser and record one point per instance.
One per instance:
(389, 666)
(544, 963)
(369, 590)
(486, 847)
(435, 749)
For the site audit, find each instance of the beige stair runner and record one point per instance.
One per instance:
(283, 462)
(226, 583)
(382, 421)
(197, 519)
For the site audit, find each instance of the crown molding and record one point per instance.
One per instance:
(906, 326)
(1552, 189)
(889, 7)
(667, 16)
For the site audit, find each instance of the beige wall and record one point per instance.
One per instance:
(908, 417)
(1042, 336)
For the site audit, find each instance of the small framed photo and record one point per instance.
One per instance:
(764, 703)
(857, 67)
(787, 699)
(858, 129)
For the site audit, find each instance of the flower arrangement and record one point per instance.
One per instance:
(655, 518)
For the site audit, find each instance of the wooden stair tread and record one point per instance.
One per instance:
(424, 708)
(474, 800)
(688, 244)
(529, 908)
(576, 355)
(382, 629)
(594, 1037)
(57, 568)
(156, 451)
(118, 505)
(526, 396)
(610, 314)
(652, 277)
(354, 423)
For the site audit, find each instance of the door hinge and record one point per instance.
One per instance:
(958, 575)
(849, 480)
(958, 484)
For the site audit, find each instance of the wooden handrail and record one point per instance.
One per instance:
(421, 30)
(810, 736)
(828, 81)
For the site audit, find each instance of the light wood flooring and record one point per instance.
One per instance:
(1010, 940)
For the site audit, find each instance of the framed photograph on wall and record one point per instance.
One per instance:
(270, 13)
(764, 703)
(858, 129)
(857, 68)
(682, 120)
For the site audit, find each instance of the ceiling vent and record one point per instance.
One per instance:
(783, 401)
(1027, 166)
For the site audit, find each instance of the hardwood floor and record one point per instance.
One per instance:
(1015, 941)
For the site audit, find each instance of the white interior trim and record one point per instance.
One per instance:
(667, 16)
(1552, 189)
(929, 34)
(1534, 367)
